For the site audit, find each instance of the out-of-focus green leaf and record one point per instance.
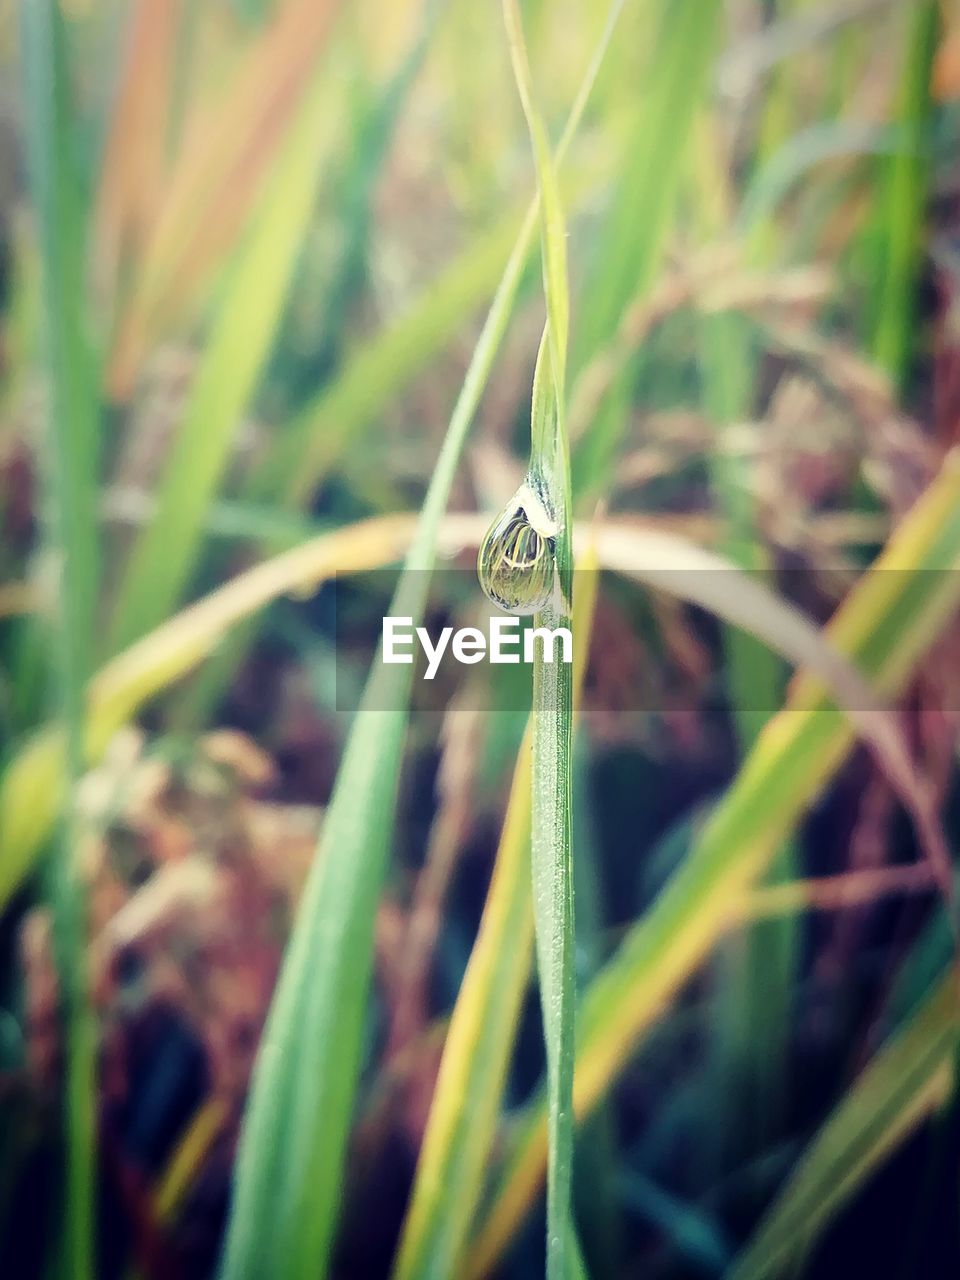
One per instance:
(632, 244)
(899, 245)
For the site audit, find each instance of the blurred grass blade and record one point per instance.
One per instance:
(225, 160)
(71, 448)
(755, 970)
(380, 368)
(288, 1174)
(461, 1128)
(802, 152)
(374, 132)
(551, 853)
(632, 244)
(161, 562)
(907, 1080)
(707, 580)
(888, 623)
(899, 246)
(135, 155)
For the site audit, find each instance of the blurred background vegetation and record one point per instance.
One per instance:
(246, 248)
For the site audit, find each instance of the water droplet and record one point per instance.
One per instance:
(515, 563)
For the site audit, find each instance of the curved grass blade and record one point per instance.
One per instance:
(889, 621)
(907, 1080)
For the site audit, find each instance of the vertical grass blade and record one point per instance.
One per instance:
(223, 161)
(632, 244)
(71, 479)
(552, 687)
(755, 970)
(461, 1128)
(904, 198)
(135, 152)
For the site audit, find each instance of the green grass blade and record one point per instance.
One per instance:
(909, 1078)
(71, 447)
(551, 845)
(889, 622)
(162, 560)
(376, 373)
(900, 241)
(634, 240)
(288, 1173)
(461, 1128)
(755, 970)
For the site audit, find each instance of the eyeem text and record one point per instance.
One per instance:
(503, 643)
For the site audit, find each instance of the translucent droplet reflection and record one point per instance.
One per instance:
(516, 560)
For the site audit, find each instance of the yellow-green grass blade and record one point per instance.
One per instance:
(287, 1178)
(161, 562)
(288, 1172)
(550, 849)
(71, 448)
(890, 620)
(461, 1128)
(907, 1080)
